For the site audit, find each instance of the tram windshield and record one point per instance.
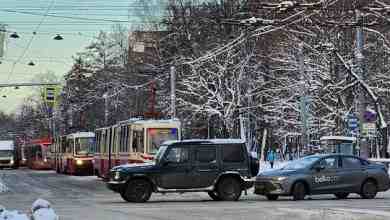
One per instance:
(156, 136)
(84, 146)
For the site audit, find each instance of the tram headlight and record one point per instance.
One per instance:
(79, 162)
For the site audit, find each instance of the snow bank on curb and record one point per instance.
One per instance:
(40, 210)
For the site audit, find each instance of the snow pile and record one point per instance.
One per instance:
(11, 215)
(40, 210)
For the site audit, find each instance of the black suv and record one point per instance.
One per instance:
(220, 167)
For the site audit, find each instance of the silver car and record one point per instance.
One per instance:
(324, 174)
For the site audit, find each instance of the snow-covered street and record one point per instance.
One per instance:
(88, 198)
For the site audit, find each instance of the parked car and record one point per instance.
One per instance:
(220, 167)
(324, 174)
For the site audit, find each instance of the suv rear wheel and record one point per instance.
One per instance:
(369, 190)
(214, 196)
(229, 189)
(137, 191)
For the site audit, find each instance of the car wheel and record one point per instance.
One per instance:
(369, 190)
(272, 197)
(299, 191)
(137, 191)
(229, 189)
(341, 195)
(214, 196)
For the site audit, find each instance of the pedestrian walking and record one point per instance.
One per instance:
(271, 157)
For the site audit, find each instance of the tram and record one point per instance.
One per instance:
(35, 152)
(131, 141)
(73, 153)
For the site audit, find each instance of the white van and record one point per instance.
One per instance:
(7, 154)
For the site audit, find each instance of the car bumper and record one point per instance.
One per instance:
(270, 187)
(116, 186)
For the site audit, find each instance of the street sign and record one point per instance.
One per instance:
(369, 129)
(369, 116)
(353, 123)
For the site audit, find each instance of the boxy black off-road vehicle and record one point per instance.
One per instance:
(220, 167)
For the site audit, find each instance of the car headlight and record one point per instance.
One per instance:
(79, 162)
(281, 178)
(45, 160)
(12, 162)
(117, 175)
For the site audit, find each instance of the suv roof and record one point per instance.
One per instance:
(205, 141)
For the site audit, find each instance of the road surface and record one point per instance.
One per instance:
(87, 198)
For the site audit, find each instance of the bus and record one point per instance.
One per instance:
(7, 154)
(131, 141)
(73, 153)
(35, 152)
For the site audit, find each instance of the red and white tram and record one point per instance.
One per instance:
(35, 154)
(73, 153)
(131, 141)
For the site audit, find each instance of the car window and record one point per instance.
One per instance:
(329, 162)
(351, 162)
(232, 153)
(178, 155)
(206, 155)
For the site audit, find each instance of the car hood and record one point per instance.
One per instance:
(134, 167)
(277, 172)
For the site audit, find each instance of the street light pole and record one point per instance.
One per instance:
(361, 100)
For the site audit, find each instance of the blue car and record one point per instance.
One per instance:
(335, 174)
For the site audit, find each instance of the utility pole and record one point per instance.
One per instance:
(361, 101)
(105, 96)
(173, 92)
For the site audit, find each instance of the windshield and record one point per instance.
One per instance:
(6, 153)
(84, 146)
(301, 163)
(156, 136)
(160, 153)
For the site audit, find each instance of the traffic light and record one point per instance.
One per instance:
(50, 94)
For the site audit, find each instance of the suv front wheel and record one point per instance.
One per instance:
(137, 191)
(229, 189)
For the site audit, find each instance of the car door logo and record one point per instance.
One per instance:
(325, 179)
